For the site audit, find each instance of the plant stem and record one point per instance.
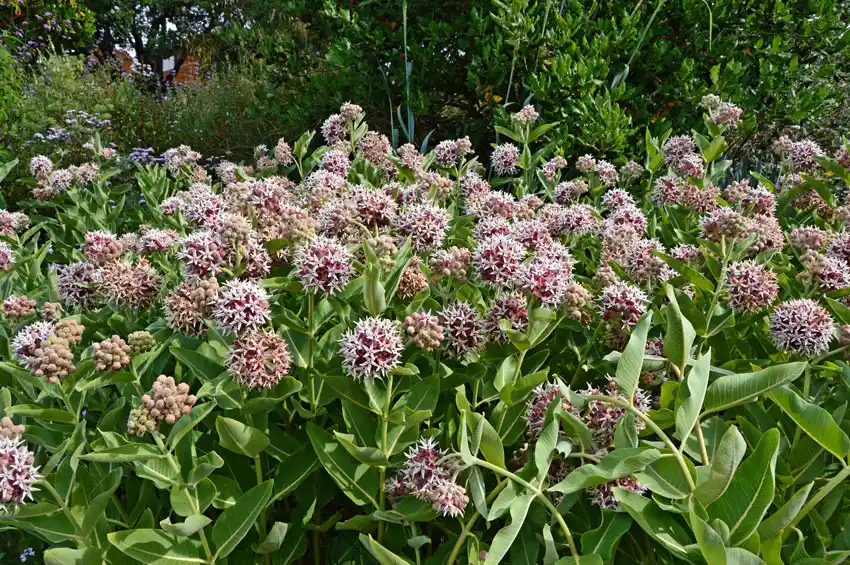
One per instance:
(385, 424)
(193, 504)
(654, 427)
(821, 494)
(470, 523)
(538, 494)
(807, 387)
(703, 451)
(65, 510)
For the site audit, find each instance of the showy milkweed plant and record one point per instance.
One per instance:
(343, 352)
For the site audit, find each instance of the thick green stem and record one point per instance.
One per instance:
(807, 388)
(539, 495)
(193, 504)
(821, 494)
(719, 288)
(385, 425)
(65, 510)
(470, 523)
(654, 427)
(703, 451)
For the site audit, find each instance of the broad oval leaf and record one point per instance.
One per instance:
(240, 438)
(725, 461)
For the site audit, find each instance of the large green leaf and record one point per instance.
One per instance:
(358, 481)
(616, 464)
(709, 541)
(190, 527)
(680, 334)
(240, 438)
(156, 547)
(813, 420)
(490, 443)
(665, 477)
(629, 366)
(691, 395)
(68, 556)
(185, 424)
(725, 461)
(603, 539)
(237, 520)
(660, 525)
(381, 553)
(751, 491)
(203, 367)
(733, 390)
(123, 453)
(504, 538)
(773, 525)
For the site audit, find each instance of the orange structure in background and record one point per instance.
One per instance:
(189, 71)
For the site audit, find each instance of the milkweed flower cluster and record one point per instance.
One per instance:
(166, 402)
(259, 359)
(602, 417)
(464, 328)
(623, 303)
(323, 265)
(541, 398)
(802, 326)
(424, 330)
(18, 472)
(241, 305)
(751, 286)
(430, 474)
(372, 349)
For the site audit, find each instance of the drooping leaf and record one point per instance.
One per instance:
(274, 539)
(710, 542)
(123, 453)
(664, 477)
(680, 334)
(504, 538)
(189, 527)
(383, 555)
(491, 444)
(660, 525)
(618, 463)
(773, 525)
